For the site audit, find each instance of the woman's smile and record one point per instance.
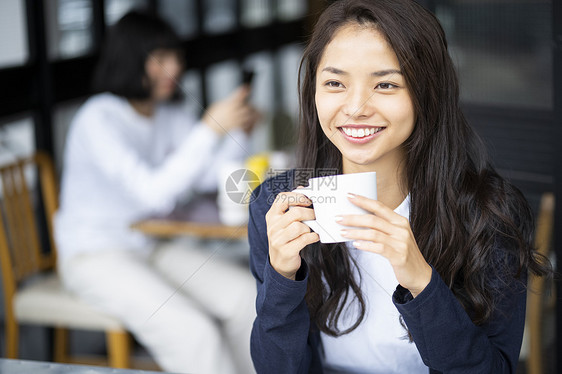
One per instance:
(360, 134)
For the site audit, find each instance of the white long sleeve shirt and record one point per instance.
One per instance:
(379, 344)
(120, 166)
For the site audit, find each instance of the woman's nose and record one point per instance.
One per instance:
(358, 103)
(173, 66)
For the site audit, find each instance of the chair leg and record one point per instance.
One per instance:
(534, 321)
(12, 337)
(119, 349)
(61, 345)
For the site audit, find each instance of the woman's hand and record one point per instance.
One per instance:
(286, 233)
(388, 234)
(234, 112)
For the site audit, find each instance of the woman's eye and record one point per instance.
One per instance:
(334, 84)
(386, 86)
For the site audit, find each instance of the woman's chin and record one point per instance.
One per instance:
(163, 95)
(358, 163)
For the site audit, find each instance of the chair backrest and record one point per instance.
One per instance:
(21, 254)
(537, 287)
(543, 235)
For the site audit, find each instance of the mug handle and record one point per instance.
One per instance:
(310, 223)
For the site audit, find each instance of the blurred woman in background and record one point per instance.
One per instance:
(132, 152)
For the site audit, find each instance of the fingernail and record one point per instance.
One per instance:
(357, 244)
(350, 195)
(343, 232)
(338, 218)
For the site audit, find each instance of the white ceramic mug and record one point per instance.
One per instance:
(329, 198)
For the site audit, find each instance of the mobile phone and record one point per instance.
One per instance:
(247, 76)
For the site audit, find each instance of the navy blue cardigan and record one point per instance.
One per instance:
(285, 341)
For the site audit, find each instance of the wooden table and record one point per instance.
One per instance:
(199, 218)
(169, 228)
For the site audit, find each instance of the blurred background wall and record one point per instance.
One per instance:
(507, 53)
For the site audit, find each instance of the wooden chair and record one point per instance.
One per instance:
(539, 304)
(32, 290)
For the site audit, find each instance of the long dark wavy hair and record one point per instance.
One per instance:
(471, 225)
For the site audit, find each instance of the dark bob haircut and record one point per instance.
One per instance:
(121, 68)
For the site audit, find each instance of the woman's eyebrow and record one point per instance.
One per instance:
(379, 73)
(382, 73)
(333, 70)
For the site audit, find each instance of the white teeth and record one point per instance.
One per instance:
(360, 133)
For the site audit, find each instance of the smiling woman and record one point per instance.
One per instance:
(433, 275)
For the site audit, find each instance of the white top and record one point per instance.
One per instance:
(120, 166)
(380, 343)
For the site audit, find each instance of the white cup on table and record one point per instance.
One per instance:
(233, 193)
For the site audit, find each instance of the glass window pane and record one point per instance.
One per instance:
(219, 16)
(221, 79)
(191, 88)
(263, 81)
(502, 50)
(115, 9)
(256, 13)
(182, 15)
(69, 28)
(262, 97)
(62, 118)
(16, 139)
(13, 33)
(288, 60)
(284, 122)
(288, 10)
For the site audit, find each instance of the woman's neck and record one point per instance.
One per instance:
(391, 182)
(143, 107)
(391, 189)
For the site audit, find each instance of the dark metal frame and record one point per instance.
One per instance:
(557, 136)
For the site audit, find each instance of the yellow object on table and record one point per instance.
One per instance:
(258, 164)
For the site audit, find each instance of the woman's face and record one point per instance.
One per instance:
(363, 104)
(163, 69)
